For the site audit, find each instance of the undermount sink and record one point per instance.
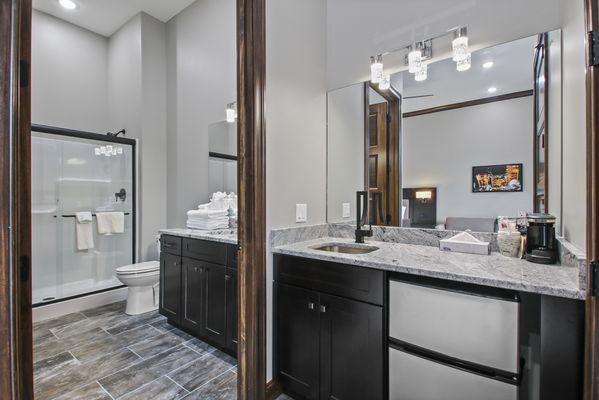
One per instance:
(346, 248)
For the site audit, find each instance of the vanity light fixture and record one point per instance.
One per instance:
(488, 64)
(68, 4)
(422, 73)
(414, 60)
(385, 83)
(492, 89)
(108, 150)
(376, 68)
(459, 44)
(465, 64)
(424, 195)
(231, 112)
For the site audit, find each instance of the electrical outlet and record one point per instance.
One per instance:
(301, 212)
(345, 210)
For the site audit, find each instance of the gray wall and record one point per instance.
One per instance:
(295, 120)
(440, 150)
(69, 75)
(345, 150)
(201, 71)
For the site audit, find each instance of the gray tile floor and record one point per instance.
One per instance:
(103, 353)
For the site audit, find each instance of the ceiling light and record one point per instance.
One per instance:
(376, 69)
(68, 4)
(421, 74)
(492, 89)
(459, 45)
(488, 64)
(414, 61)
(465, 64)
(385, 83)
(231, 112)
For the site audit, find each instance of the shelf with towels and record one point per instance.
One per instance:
(93, 215)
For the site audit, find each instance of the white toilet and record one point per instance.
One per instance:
(142, 282)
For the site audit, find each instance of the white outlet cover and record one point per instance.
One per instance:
(346, 211)
(301, 212)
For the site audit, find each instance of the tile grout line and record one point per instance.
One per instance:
(216, 377)
(104, 389)
(176, 383)
(132, 351)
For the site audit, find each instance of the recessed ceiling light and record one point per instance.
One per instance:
(488, 64)
(492, 89)
(68, 4)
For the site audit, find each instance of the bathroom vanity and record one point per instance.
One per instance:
(198, 284)
(408, 321)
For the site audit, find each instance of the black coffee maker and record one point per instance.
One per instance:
(540, 239)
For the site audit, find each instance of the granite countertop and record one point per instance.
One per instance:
(493, 270)
(222, 235)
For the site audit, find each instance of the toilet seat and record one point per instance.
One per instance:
(148, 266)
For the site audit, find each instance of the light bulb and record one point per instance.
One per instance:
(231, 112)
(465, 64)
(97, 151)
(414, 61)
(102, 149)
(460, 48)
(421, 74)
(376, 69)
(119, 150)
(68, 4)
(492, 89)
(385, 83)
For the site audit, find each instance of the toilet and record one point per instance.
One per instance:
(142, 282)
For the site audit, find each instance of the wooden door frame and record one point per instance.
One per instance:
(251, 80)
(591, 365)
(16, 339)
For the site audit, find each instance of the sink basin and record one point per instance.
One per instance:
(346, 248)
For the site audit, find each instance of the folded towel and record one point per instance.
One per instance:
(83, 230)
(204, 213)
(110, 222)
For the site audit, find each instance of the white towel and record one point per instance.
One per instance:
(110, 222)
(206, 214)
(83, 230)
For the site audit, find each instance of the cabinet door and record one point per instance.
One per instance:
(214, 301)
(170, 286)
(351, 349)
(231, 310)
(192, 294)
(297, 336)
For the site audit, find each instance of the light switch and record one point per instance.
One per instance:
(345, 210)
(301, 212)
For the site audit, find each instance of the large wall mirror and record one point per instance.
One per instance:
(454, 149)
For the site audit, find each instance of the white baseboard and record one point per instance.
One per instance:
(42, 313)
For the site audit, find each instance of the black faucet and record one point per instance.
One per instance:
(362, 216)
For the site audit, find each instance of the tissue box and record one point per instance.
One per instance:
(464, 243)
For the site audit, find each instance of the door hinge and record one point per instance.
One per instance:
(24, 73)
(25, 268)
(593, 48)
(593, 285)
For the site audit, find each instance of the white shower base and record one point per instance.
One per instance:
(69, 289)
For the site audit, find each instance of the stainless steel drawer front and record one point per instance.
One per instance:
(472, 328)
(415, 378)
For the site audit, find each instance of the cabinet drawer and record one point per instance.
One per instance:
(358, 283)
(232, 256)
(413, 377)
(170, 244)
(470, 327)
(213, 252)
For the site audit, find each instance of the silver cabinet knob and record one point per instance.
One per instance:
(310, 306)
(323, 308)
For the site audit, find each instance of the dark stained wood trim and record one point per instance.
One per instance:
(16, 358)
(251, 75)
(273, 390)
(469, 103)
(591, 362)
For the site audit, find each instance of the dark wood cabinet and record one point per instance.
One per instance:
(170, 286)
(231, 300)
(196, 293)
(328, 346)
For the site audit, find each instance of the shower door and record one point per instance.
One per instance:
(76, 171)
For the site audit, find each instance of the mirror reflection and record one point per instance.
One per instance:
(455, 149)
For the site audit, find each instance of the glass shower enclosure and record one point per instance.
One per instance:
(74, 171)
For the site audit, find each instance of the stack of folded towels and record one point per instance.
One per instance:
(210, 216)
(232, 200)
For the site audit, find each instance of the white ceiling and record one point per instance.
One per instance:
(106, 16)
(511, 72)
